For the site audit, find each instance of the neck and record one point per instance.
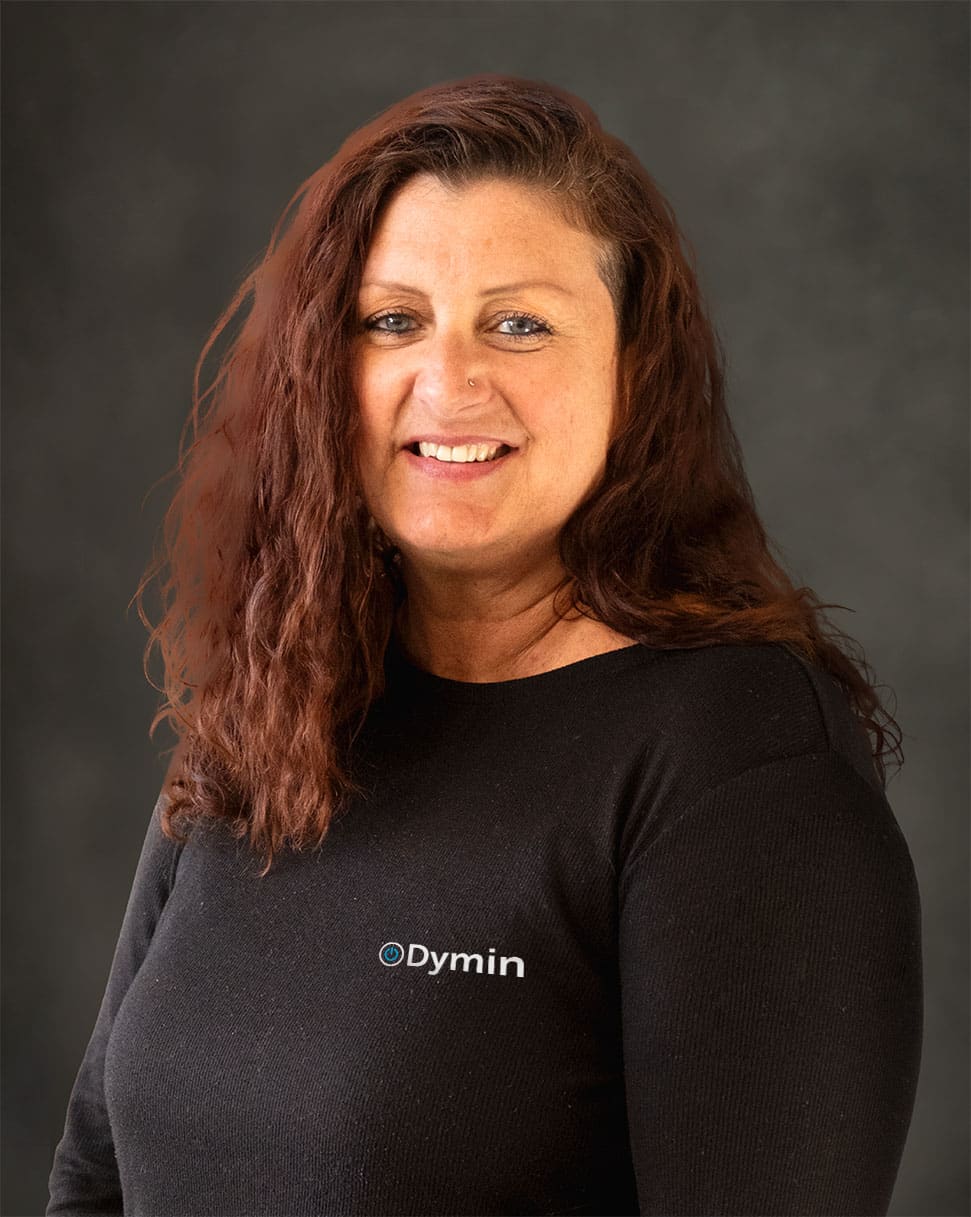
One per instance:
(482, 628)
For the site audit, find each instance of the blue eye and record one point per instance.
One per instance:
(399, 322)
(540, 327)
(372, 324)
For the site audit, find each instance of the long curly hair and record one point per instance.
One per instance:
(281, 591)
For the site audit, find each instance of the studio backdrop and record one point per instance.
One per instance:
(816, 155)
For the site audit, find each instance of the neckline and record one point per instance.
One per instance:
(402, 673)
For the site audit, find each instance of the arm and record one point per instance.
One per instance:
(84, 1176)
(772, 997)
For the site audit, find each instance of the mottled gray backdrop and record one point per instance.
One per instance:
(816, 155)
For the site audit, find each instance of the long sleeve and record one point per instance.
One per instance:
(772, 997)
(84, 1175)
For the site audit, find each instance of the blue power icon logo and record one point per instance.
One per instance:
(391, 954)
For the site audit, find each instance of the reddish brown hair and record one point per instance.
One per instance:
(282, 592)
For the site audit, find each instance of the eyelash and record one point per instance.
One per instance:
(542, 326)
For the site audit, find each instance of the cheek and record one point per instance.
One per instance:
(370, 453)
(375, 415)
(579, 423)
(577, 440)
(366, 382)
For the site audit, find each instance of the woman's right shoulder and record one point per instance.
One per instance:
(160, 853)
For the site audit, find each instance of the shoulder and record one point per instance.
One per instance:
(158, 859)
(717, 711)
(757, 696)
(753, 736)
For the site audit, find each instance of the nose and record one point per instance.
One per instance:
(450, 375)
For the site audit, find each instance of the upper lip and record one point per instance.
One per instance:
(455, 441)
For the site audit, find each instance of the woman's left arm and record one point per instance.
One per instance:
(772, 997)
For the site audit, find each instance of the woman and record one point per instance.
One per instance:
(580, 892)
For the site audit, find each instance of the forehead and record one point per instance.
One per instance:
(488, 225)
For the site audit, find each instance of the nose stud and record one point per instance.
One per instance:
(472, 383)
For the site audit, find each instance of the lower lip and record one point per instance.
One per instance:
(456, 471)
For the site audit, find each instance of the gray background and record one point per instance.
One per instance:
(816, 155)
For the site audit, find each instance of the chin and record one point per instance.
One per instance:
(445, 550)
(433, 534)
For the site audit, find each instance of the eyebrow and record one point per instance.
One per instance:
(489, 291)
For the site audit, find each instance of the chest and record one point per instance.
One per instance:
(433, 976)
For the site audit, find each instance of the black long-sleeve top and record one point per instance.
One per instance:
(640, 934)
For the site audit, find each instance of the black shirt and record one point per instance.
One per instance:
(640, 934)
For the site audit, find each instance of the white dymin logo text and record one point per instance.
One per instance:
(417, 955)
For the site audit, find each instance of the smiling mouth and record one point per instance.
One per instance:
(502, 451)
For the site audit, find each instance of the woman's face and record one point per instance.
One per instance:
(489, 285)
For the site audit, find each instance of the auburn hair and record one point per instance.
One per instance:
(280, 592)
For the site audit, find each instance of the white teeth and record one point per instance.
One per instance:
(462, 453)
